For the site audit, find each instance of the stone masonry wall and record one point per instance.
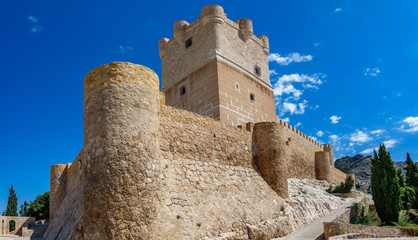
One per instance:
(121, 146)
(339, 227)
(65, 223)
(201, 92)
(211, 187)
(20, 223)
(212, 34)
(149, 171)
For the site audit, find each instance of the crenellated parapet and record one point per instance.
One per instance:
(211, 36)
(300, 135)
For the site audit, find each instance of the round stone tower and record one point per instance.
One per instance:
(121, 146)
(271, 155)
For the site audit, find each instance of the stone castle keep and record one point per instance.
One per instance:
(205, 158)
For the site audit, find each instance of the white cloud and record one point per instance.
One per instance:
(125, 48)
(411, 125)
(367, 151)
(36, 29)
(320, 133)
(371, 72)
(377, 132)
(291, 57)
(338, 9)
(294, 108)
(298, 124)
(360, 137)
(351, 144)
(334, 139)
(388, 144)
(286, 119)
(33, 19)
(284, 84)
(334, 119)
(317, 44)
(272, 72)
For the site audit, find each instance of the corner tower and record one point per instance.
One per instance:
(218, 68)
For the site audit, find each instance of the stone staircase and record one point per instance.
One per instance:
(36, 230)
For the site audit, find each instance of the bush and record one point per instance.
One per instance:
(343, 187)
(407, 197)
(404, 220)
(361, 215)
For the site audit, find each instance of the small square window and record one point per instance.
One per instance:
(252, 97)
(182, 90)
(188, 43)
(257, 70)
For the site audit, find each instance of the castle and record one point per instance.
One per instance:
(205, 158)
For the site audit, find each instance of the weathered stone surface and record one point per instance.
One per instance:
(338, 227)
(121, 145)
(271, 155)
(20, 224)
(150, 171)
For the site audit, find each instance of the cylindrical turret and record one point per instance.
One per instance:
(162, 46)
(330, 150)
(57, 187)
(121, 147)
(322, 166)
(246, 28)
(271, 154)
(178, 30)
(266, 47)
(212, 10)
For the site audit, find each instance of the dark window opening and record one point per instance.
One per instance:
(237, 86)
(188, 43)
(182, 90)
(12, 226)
(252, 97)
(257, 70)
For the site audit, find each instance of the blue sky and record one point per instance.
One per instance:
(344, 71)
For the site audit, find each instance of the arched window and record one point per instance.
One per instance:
(12, 225)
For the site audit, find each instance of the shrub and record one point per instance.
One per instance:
(361, 215)
(407, 197)
(343, 187)
(404, 220)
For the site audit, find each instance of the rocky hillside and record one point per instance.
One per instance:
(360, 166)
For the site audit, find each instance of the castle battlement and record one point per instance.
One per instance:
(219, 68)
(174, 165)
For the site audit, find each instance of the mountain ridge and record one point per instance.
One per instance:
(360, 166)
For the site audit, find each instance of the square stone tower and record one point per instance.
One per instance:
(218, 68)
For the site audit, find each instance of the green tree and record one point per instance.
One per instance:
(407, 197)
(39, 208)
(11, 209)
(24, 209)
(385, 186)
(401, 179)
(411, 172)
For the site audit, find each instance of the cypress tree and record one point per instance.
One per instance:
(411, 172)
(11, 209)
(385, 186)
